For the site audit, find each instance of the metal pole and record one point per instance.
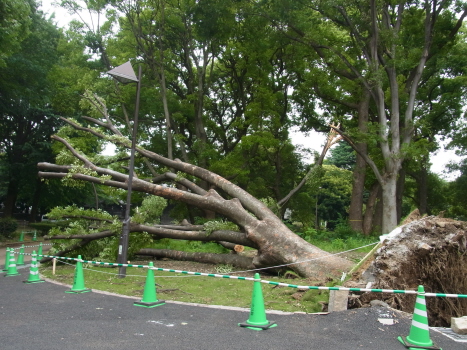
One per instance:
(123, 242)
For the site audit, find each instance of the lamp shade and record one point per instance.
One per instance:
(124, 73)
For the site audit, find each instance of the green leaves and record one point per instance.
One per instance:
(14, 26)
(150, 210)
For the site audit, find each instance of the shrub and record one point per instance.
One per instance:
(8, 227)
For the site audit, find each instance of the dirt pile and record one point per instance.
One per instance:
(432, 252)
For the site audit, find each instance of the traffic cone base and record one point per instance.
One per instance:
(37, 281)
(12, 274)
(257, 320)
(419, 335)
(270, 324)
(78, 291)
(409, 346)
(149, 305)
(149, 295)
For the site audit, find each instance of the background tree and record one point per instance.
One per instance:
(27, 118)
(373, 50)
(14, 26)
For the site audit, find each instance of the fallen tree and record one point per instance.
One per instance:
(259, 227)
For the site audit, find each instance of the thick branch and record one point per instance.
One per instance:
(332, 139)
(184, 182)
(90, 237)
(219, 235)
(241, 261)
(85, 239)
(367, 159)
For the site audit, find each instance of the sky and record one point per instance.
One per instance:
(439, 159)
(312, 140)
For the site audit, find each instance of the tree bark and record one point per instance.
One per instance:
(422, 191)
(400, 193)
(11, 196)
(359, 172)
(368, 218)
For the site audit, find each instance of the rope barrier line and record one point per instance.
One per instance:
(395, 291)
(299, 262)
(31, 246)
(116, 274)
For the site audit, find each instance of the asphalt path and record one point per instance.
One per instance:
(42, 316)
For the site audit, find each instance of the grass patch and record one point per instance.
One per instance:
(342, 244)
(196, 289)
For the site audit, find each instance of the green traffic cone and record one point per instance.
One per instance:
(419, 336)
(21, 237)
(12, 271)
(7, 260)
(34, 271)
(34, 236)
(257, 320)
(39, 254)
(78, 281)
(149, 295)
(20, 259)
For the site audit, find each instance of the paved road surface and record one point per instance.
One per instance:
(42, 316)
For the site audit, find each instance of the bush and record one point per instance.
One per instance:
(8, 227)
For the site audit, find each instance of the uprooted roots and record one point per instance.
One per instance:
(441, 271)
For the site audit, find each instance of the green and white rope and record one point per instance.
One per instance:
(394, 291)
(31, 246)
(308, 260)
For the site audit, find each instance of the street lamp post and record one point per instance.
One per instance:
(125, 74)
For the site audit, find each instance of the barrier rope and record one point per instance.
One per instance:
(395, 291)
(303, 261)
(31, 246)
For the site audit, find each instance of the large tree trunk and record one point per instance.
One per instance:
(389, 197)
(241, 261)
(422, 191)
(35, 201)
(371, 202)
(358, 185)
(276, 244)
(11, 196)
(400, 193)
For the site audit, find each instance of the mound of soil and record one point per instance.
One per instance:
(432, 252)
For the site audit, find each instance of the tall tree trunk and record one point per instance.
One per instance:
(422, 191)
(377, 223)
(389, 199)
(358, 185)
(11, 197)
(368, 218)
(35, 201)
(400, 193)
